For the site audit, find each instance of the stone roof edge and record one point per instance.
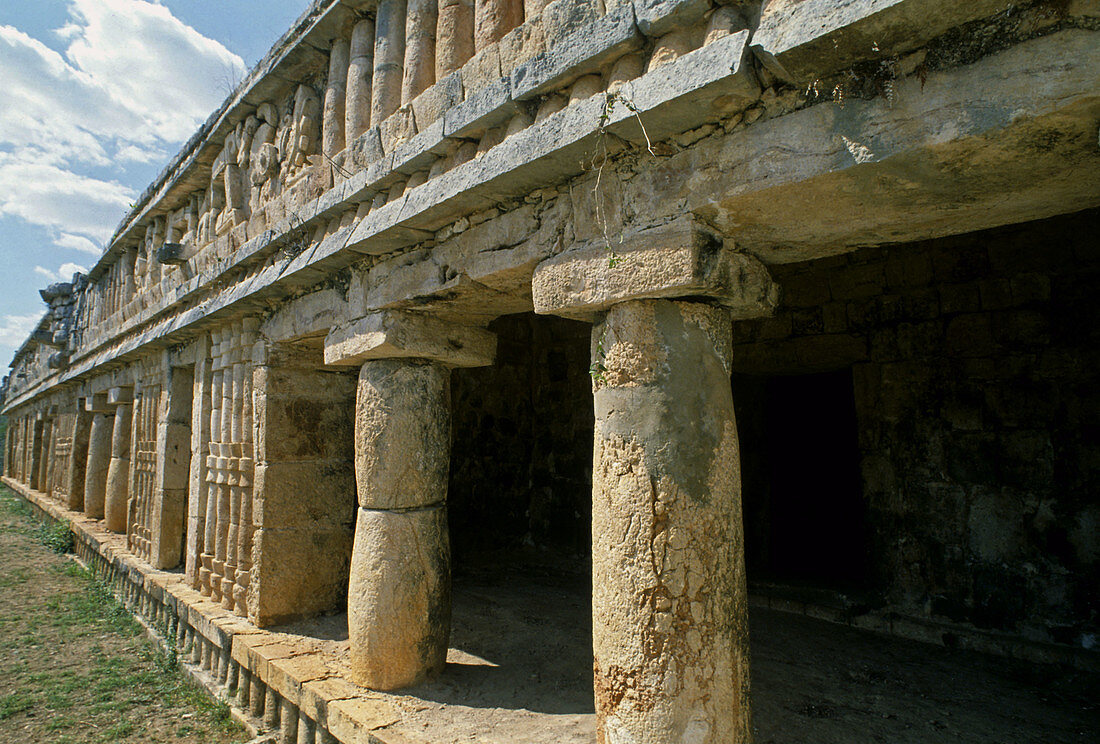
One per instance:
(311, 23)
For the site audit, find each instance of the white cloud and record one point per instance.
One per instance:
(14, 329)
(132, 83)
(64, 272)
(77, 243)
(49, 195)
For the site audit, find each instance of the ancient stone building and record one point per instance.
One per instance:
(653, 291)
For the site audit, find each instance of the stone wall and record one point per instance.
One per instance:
(521, 473)
(974, 366)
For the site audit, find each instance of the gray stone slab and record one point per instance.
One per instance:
(586, 50)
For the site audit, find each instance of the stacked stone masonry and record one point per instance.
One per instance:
(445, 278)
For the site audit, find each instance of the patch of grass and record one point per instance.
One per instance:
(75, 666)
(55, 535)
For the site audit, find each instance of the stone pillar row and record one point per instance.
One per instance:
(399, 589)
(226, 553)
(390, 59)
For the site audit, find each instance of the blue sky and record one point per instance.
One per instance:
(97, 96)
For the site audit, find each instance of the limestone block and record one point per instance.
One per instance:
(394, 334)
(680, 259)
(454, 36)
(313, 580)
(563, 18)
(399, 597)
(802, 40)
(305, 495)
(354, 718)
(482, 69)
(493, 19)
(521, 44)
(489, 106)
(601, 41)
(704, 84)
(398, 128)
(433, 103)
(290, 427)
(669, 599)
(402, 434)
(657, 17)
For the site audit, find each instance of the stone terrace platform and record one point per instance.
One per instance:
(518, 669)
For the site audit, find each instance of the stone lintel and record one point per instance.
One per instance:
(98, 403)
(398, 334)
(120, 395)
(683, 258)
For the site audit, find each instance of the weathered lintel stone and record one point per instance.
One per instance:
(680, 259)
(396, 334)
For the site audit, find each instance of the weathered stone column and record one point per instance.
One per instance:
(246, 529)
(454, 36)
(210, 523)
(99, 456)
(78, 461)
(399, 592)
(389, 56)
(118, 471)
(360, 72)
(420, 24)
(332, 121)
(669, 601)
(493, 19)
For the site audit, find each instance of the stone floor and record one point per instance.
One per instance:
(520, 666)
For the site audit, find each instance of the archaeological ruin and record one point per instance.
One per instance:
(694, 304)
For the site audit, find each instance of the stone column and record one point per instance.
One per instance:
(210, 523)
(493, 19)
(670, 631)
(332, 120)
(99, 456)
(78, 460)
(454, 36)
(118, 471)
(389, 56)
(200, 438)
(669, 601)
(246, 529)
(360, 71)
(420, 24)
(399, 590)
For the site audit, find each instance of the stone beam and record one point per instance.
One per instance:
(802, 40)
(1010, 138)
(408, 335)
(681, 259)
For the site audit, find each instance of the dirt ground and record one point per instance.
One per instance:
(74, 666)
(520, 668)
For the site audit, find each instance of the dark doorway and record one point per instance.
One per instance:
(805, 516)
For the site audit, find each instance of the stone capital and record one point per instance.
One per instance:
(681, 259)
(120, 395)
(397, 334)
(98, 403)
